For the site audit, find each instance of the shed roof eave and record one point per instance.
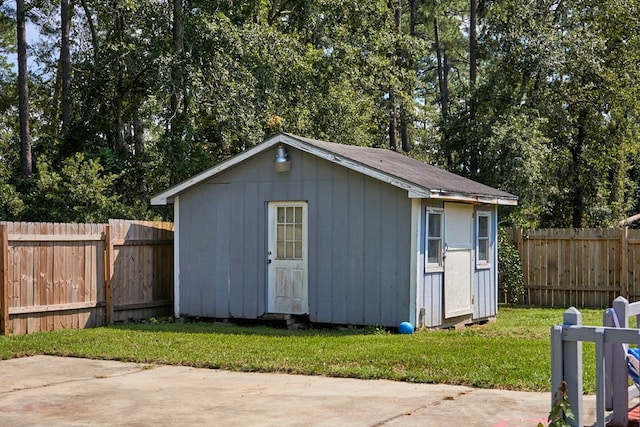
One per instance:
(167, 196)
(159, 201)
(162, 201)
(472, 198)
(629, 221)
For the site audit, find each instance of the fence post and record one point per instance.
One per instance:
(108, 274)
(608, 322)
(624, 262)
(619, 374)
(518, 238)
(557, 369)
(572, 366)
(600, 381)
(4, 279)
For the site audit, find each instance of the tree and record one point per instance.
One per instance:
(564, 64)
(65, 63)
(537, 98)
(80, 191)
(442, 67)
(7, 26)
(178, 89)
(23, 91)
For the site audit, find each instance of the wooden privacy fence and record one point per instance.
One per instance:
(579, 267)
(69, 276)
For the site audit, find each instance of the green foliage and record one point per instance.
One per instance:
(566, 66)
(552, 117)
(510, 276)
(11, 204)
(7, 29)
(79, 191)
(561, 410)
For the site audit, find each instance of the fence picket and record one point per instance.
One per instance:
(633, 266)
(59, 276)
(4, 279)
(578, 267)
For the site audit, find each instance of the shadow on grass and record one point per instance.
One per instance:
(247, 327)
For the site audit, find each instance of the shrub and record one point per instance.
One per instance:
(510, 276)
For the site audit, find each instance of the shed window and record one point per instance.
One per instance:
(434, 233)
(483, 228)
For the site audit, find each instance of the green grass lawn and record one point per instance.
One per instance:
(511, 353)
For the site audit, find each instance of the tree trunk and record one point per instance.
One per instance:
(176, 69)
(120, 144)
(413, 12)
(178, 99)
(473, 72)
(396, 5)
(397, 14)
(65, 64)
(577, 213)
(405, 116)
(443, 85)
(92, 28)
(404, 130)
(473, 42)
(138, 138)
(393, 123)
(23, 92)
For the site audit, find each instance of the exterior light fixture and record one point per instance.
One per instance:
(282, 162)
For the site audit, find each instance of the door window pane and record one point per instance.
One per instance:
(289, 233)
(483, 226)
(483, 250)
(297, 253)
(434, 254)
(435, 227)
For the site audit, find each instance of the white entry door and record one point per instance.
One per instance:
(458, 238)
(287, 258)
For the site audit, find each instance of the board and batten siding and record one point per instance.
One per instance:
(430, 285)
(359, 265)
(430, 300)
(485, 280)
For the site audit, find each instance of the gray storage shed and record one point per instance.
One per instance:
(344, 234)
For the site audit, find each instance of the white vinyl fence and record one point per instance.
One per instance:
(612, 390)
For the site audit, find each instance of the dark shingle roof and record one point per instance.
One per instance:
(408, 169)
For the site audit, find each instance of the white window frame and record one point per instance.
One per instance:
(483, 263)
(439, 266)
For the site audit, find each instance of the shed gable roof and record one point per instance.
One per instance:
(419, 179)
